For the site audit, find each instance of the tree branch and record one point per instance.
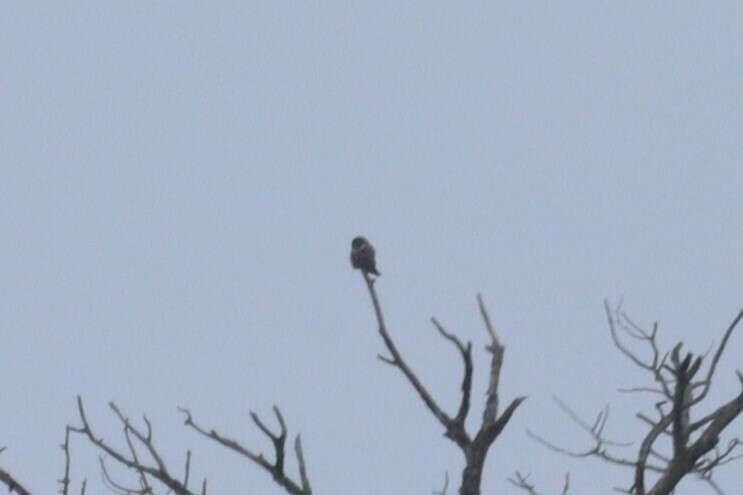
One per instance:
(675, 375)
(13, 485)
(398, 361)
(158, 472)
(475, 449)
(276, 469)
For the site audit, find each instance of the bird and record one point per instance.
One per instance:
(362, 256)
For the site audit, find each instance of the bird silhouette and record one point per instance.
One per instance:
(362, 256)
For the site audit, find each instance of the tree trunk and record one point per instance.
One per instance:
(472, 473)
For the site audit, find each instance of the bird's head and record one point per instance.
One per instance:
(359, 242)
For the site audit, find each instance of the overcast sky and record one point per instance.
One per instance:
(180, 185)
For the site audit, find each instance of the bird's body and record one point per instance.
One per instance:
(362, 256)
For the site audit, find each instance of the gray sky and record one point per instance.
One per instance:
(180, 184)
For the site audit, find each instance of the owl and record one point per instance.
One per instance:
(362, 256)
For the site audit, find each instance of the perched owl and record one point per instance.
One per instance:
(362, 256)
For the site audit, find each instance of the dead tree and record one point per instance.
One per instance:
(475, 448)
(680, 441)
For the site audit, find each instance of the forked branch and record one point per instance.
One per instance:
(275, 468)
(474, 448)
(679, 447)
(521, 481)
(141, 449)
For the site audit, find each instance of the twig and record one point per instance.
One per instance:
(522, 481)
(446, 485)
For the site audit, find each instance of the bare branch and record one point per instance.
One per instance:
(187, 469)
(13, 485)
(674, 373)
(566, 486)
(466, 354)
(65, 481)
(302, 466)
(645, 448)
(715, 487)
(497, 351)
(115, 486)
(475, 449)
(522, 481)
(638, 334)
(276, 469)
(398, 361)
(716, 359)
(158, 472)
(446, 485)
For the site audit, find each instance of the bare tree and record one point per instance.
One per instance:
(151, 473)
(679, 442)
(676, 445)
(475, 448)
